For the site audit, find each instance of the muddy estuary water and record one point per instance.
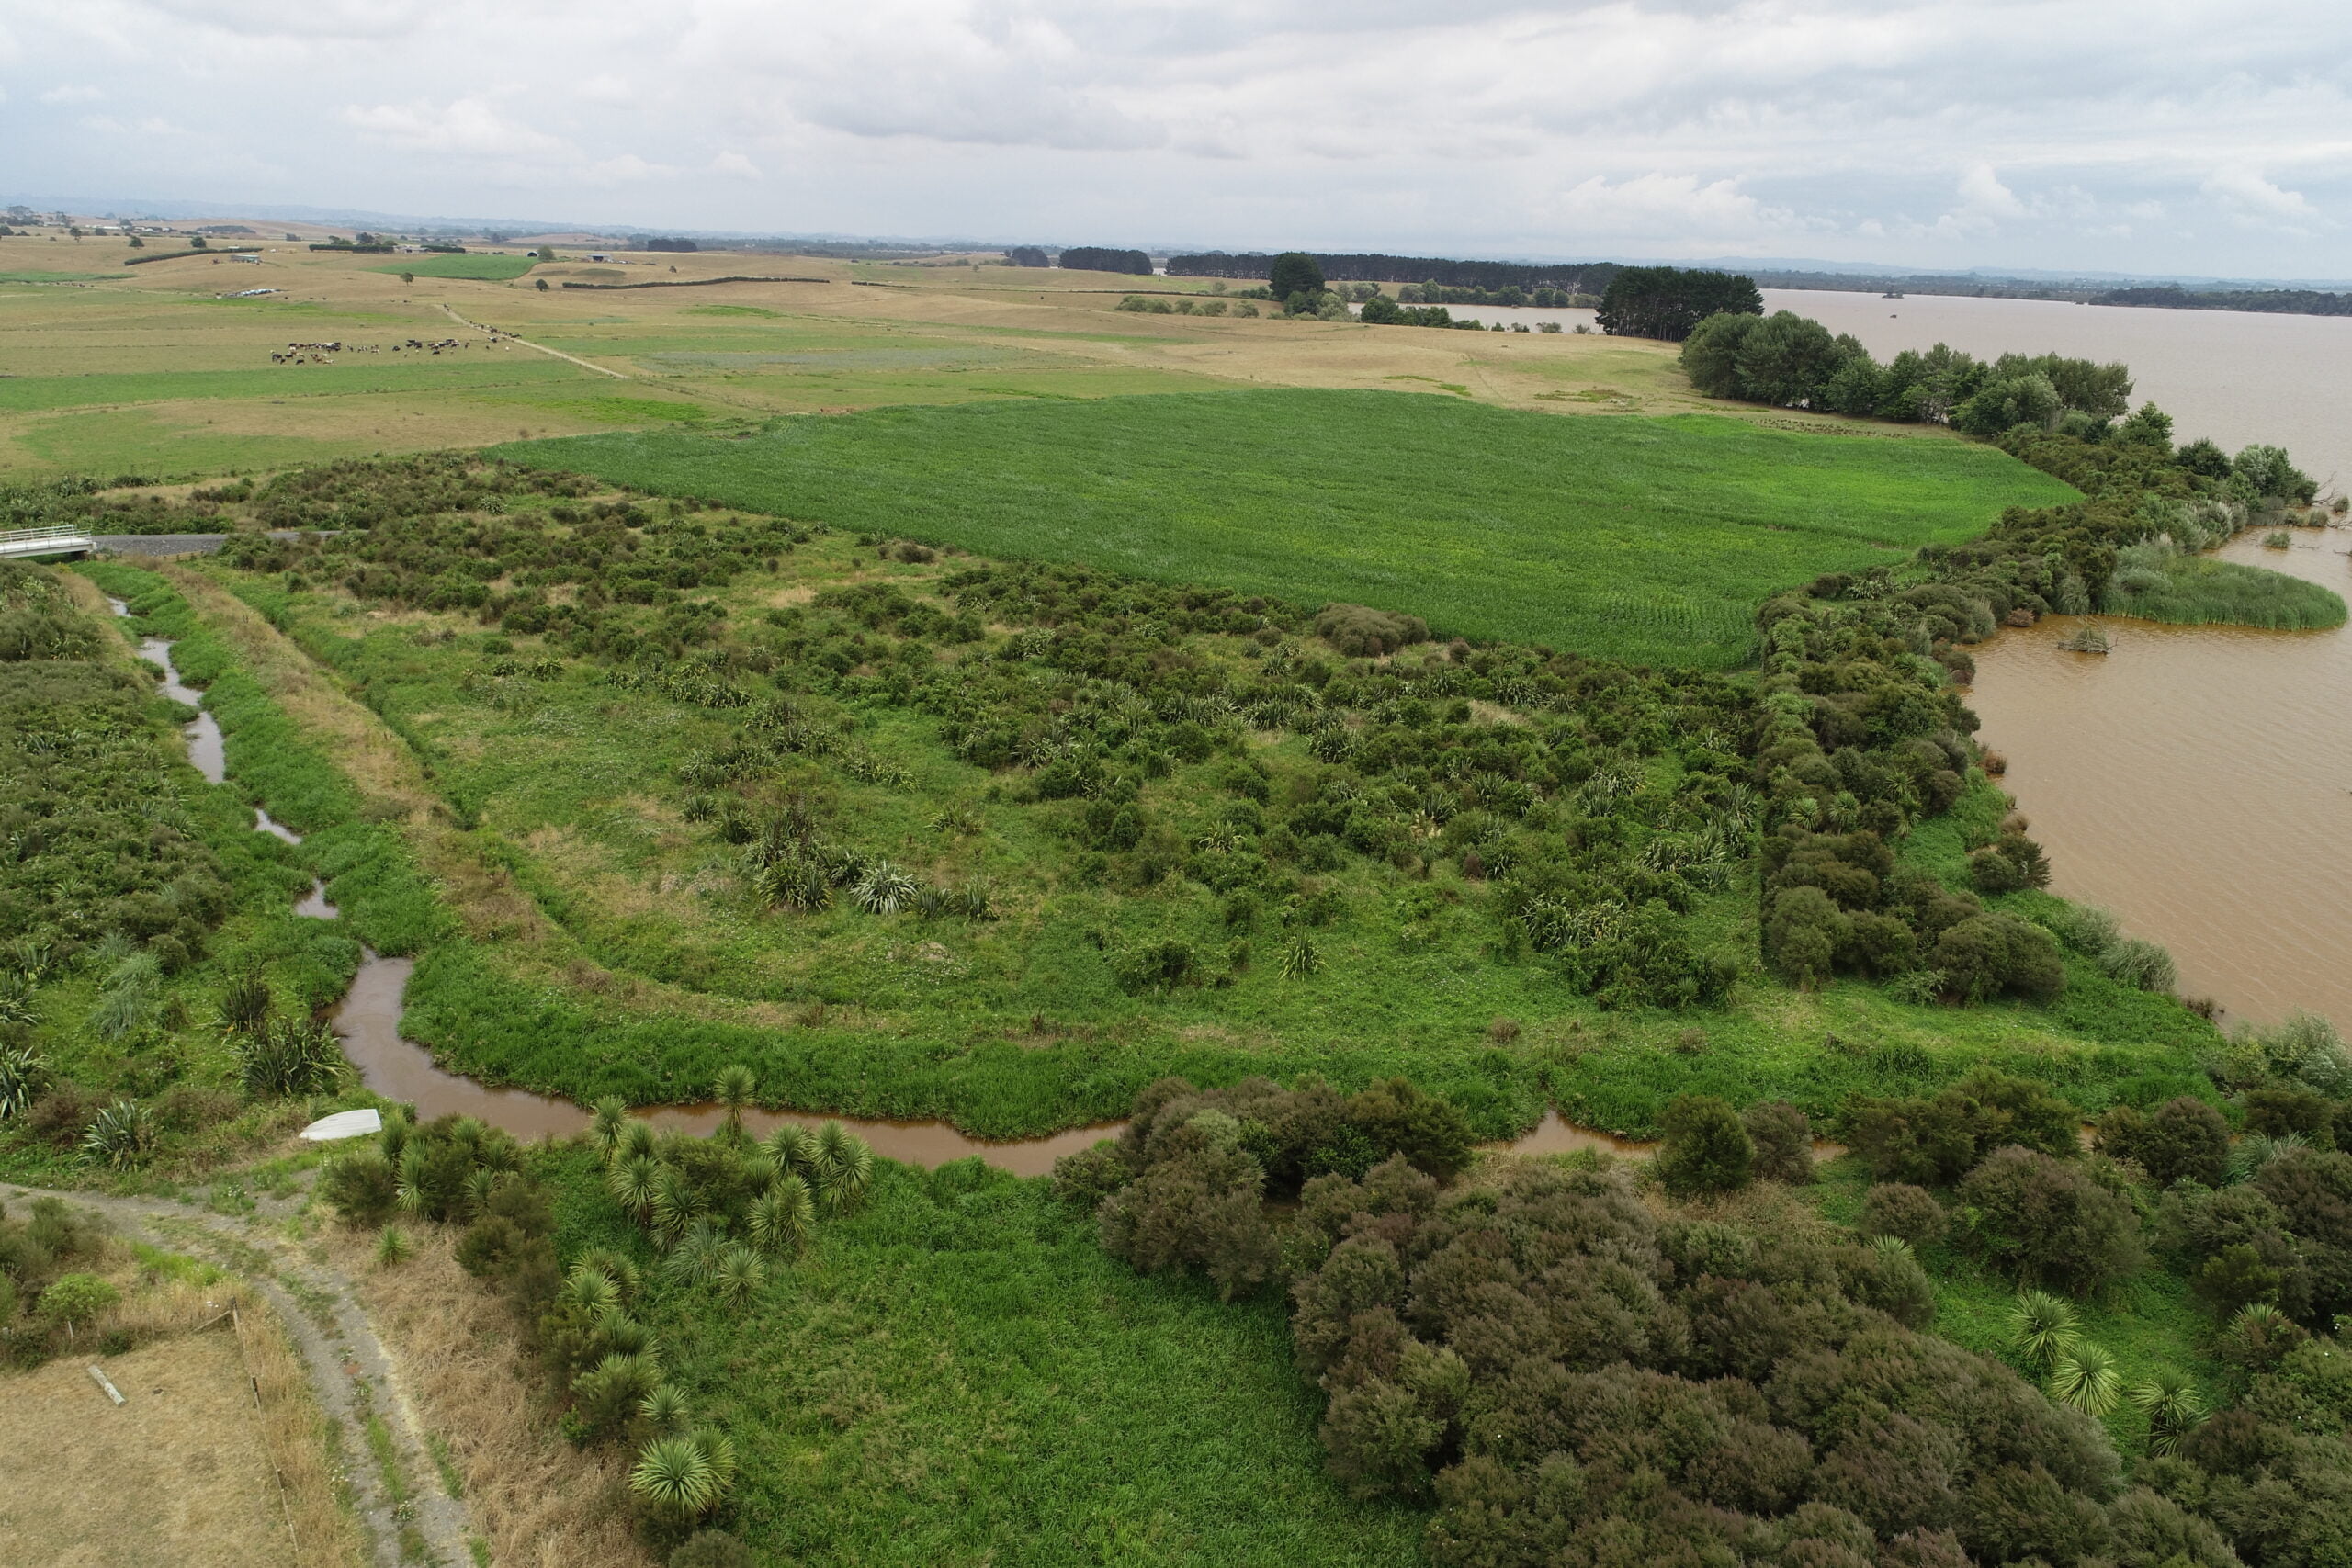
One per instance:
(2198, 780)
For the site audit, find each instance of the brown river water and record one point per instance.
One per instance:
(2198, 781)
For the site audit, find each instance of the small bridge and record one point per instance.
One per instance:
(19, 544)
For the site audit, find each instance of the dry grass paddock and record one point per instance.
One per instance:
(928, 333)
(217, 1458)
(539, 1502)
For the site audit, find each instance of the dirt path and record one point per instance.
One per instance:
(526, 343)
(359, 1385)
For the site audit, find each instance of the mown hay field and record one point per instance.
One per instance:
(1650, 540)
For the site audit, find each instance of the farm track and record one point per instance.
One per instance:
(451, 311)
(352, 1372)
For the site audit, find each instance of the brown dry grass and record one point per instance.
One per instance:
(540, 1502)
(324, 1533)
(219, 1457)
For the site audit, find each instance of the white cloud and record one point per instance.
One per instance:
(2252, 199)
(1935, 132)
(1983, 194)
(1661, 207)
(626, 169)
(302, 19)
(72, 94)
(465, 127)
(151, 125)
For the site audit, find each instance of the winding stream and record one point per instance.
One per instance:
(367, 1023)
(206, 750)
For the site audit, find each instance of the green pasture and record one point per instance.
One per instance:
(481, 269)
(1645, 539)
(958, 1374)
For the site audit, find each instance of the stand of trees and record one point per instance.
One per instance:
(1579, 277)
(1792, 361)
(1026, 255)
(1669, 302)
(1510, 296)
(1100, 258)
(658, 243)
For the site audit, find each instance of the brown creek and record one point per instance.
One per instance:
(207, 754)
(2198, 781)
(368, 1024)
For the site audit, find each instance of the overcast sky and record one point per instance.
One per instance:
(2120, 135)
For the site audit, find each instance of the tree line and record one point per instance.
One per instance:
(1579, 277)
(1102, 258)
(2276, 301)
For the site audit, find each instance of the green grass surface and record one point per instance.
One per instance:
(483, 269)
(58, 276)
(2197, 591)
(960, 1375)
(1650, 540)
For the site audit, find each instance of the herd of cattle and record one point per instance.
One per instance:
(317, 352)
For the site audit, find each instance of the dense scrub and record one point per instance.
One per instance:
(1611, 802)
(605, 1366)
(88, 763)
(1567, 1378)
(1060, 815)
(1863, 731)
(157, 991)
(1562, 1366)
(895, 1370)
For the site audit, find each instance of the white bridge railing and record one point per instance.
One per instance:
(61, 540)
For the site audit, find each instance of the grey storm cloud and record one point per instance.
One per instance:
(2088, 133)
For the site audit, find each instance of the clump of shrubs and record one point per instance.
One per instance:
(41, 1290)
(1933, 1141)
(1184, 1185)
(1910, 1214)
(2183, 1140)
(1567, 1379)
(1837, 902)
(1360, 632)
(1782, 1137)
